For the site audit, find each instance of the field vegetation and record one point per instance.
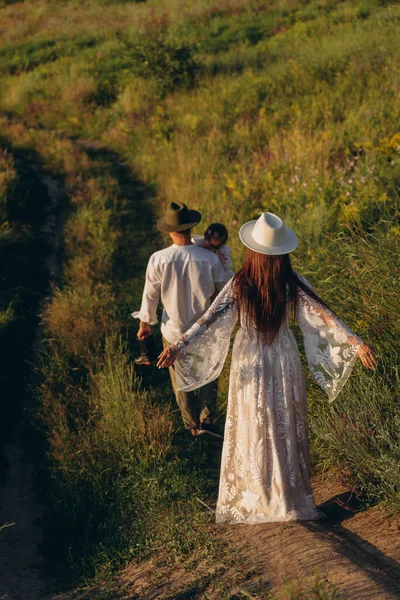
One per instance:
(235, 108)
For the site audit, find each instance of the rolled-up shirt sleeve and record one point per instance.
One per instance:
(151, 295)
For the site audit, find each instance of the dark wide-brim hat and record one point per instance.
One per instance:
(178, 217)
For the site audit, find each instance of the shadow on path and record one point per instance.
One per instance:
(138, 239)
(24, 280)
(27, 271)
(382, 569)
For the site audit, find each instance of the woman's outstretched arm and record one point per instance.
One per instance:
(331, 347)
(365, 352)
(222, 305)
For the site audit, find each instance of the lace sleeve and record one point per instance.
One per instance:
(203, 348)
(331, 347)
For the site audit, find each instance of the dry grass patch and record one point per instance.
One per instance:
(76, 318)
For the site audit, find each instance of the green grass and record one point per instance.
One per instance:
(309, 588)
(234, 108)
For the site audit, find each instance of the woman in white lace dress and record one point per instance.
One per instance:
(265, 459)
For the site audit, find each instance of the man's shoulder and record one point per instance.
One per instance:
(161, 256)
(177, 253)
(203, 255)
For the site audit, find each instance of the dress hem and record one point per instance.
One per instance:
(316, 516)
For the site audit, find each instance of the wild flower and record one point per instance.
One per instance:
(350, 181)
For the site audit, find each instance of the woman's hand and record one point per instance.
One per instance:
(167, 357)
(367, 356)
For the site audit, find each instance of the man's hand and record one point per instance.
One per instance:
(144, 331)
(167, 357)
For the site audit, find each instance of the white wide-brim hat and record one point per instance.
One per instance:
(268, 235)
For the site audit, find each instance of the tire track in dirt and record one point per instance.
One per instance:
(21, 559)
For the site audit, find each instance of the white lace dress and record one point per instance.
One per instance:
(265, 459)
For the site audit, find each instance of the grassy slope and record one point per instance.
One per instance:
(235, 108)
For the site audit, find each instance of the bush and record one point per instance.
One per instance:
(167, 61)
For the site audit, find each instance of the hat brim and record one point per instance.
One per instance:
(194, 218)
(245, 234)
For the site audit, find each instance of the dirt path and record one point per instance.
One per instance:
(20, 557)
(21, 560)
(358, 552)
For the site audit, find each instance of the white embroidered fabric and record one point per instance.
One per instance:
(265, 459)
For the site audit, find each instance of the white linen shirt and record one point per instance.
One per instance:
(226, 252)
(185, 277)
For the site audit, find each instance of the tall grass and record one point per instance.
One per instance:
(358, 435)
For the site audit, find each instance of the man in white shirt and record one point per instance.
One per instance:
(185, 277)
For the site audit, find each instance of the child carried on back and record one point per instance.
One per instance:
(214, 239)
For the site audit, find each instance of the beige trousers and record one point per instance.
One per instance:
(196, 406)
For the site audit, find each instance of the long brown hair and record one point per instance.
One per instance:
(263, 288)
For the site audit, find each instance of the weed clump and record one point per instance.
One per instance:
(167, 61)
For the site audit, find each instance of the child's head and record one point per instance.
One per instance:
(216, 235)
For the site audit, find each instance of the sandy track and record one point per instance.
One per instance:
(358, 552)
